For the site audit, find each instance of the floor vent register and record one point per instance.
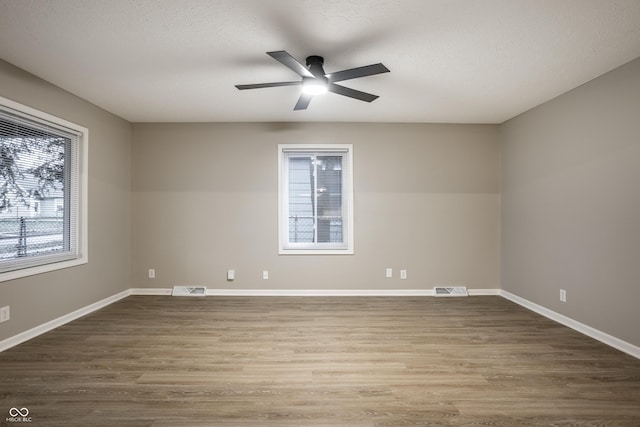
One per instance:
(187, 291)
(456, 291)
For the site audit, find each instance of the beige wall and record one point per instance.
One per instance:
(38, 299)
(571, 203)
(205, 200)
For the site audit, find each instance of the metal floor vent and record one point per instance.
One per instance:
(186, 291)
(456, 291)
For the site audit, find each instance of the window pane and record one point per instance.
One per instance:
(32, 191)
(301, 200)
(329, 198)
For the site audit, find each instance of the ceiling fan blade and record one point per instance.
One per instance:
(289, 61)
(303, 102)
(351, 93)
(353, 73)
(261, 85)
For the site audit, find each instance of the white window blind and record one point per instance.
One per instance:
(316, 209)
(41, 202)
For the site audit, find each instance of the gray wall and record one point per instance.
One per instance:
(38, 299)
(571, 203)
(426, 200)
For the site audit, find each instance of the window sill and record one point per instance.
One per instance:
(315, 252)
(46, 268)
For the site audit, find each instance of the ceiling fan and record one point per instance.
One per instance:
(315, 81)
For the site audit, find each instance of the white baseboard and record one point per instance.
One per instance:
(313, 292)
(603, 337)
(150, 291)
(46, 327)
(320, 292)
(339, 292)
(483, 292)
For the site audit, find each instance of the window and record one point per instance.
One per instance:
(315, 191)
(43, 186)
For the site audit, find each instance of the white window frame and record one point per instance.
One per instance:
(297, 248)
(79, 190)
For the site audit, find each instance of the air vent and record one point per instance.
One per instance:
(456, 291)
(186, 291)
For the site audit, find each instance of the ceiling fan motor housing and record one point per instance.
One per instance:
(315, 62)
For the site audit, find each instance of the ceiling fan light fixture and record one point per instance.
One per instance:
(315, 85)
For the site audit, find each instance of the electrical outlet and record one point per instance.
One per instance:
(265, 275)
(231, 275)
(152, 273)
(563, 295)
(5, 314)
(389, 273)
(403, 274)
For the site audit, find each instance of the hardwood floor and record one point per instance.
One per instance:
(318, 361)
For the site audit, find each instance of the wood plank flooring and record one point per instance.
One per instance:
(318, 361)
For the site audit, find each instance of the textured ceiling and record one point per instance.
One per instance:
(455, 61)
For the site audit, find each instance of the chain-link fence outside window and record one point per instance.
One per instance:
(23, 237)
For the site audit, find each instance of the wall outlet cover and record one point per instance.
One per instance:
(563, 295)
(5, 314)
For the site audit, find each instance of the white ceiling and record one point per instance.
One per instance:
(455, 61)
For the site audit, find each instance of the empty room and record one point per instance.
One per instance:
(319, 213)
